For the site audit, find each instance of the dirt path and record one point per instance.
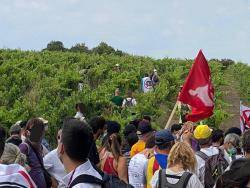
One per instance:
(232, 97)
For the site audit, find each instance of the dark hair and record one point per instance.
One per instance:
(97, 123)
(205, 141)
(23, 124)
(135, 122)
(246, 141)
(146, 117)
(132, 138)
(235, 130)
(166, 146)
(36, 128)
(217, 135)
(81, 107)
(150, 143)
(113, 145)
(176, 127)
(77, 139)
(2, 139)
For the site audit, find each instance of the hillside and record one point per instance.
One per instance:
(46, 84)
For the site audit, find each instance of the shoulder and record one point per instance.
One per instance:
(84, 185)
(24, 148)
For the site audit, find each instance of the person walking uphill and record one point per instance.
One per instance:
(181, 169)
(164, 141)
(117, 99)
(32, 148)
(73, 149)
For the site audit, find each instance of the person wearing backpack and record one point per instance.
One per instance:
(73, 149)
(210, 159)
(180, 172)
(129, 101)
(33, 149)
(164, 141)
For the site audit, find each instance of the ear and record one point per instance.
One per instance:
(60, 149)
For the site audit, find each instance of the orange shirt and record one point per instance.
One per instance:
(137, 147)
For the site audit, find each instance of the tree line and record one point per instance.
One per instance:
(101, 49)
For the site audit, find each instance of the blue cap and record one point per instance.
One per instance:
(163, 136)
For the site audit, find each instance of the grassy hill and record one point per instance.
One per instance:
(46, 84)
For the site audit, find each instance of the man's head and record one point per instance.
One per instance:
(217, 137)
(144, 130)
(246, 142)
(117, 92)
(15, 130)
(113, 127)
(232, 143)
(234, 130)
(164, 140)
(176, 129)
(2, 139)
(202, 134)
(76, 142)
(98, 126)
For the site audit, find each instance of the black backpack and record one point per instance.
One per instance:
(108, 181)
(214, 167)
(182, 183)
(129, 103)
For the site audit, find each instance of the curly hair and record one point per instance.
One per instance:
(182, 153)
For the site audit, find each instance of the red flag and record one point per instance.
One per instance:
(198, 91)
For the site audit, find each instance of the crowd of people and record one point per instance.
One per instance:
(99, 153)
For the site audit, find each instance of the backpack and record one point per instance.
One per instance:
(182, 183)
(129, 103)
(214, 167)
(108, 181)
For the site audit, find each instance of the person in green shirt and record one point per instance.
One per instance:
(117, 99)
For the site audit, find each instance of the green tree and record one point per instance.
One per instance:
(103, 48)
(55, 46)
(79, 47)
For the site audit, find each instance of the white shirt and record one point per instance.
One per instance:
(54, 167)
(146, 84)
(80, 116)
(193, 181)
(201, 163)
(129, 99)
(85, 168)
(15, 174)
(136, 168)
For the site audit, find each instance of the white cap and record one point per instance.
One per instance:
(155, 70)
(117, 65)
(43, 120)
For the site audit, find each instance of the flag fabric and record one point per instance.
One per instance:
(244, 117)
(198, 91)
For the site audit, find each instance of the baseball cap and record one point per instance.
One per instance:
(144, 127)
(202, 132)
(163, 136)
(15, 128)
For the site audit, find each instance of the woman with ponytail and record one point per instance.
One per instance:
(112, 161)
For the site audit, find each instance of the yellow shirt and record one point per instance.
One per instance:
(137, 147)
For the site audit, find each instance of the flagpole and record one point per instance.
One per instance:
(171, 115)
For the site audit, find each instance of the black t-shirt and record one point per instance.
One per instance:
(94, 155)
(14, 140)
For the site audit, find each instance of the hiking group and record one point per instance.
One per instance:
(97, 153)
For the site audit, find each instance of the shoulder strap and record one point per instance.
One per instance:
(85, 178)
(185, 178)
(37, 156)
(162, 178)
(202, 155)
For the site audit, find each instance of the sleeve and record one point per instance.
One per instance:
(155, 180)
(123, 102)
(48, 162)
(24, 148)
(134, 102)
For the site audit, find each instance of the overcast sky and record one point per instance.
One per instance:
(155, 28)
